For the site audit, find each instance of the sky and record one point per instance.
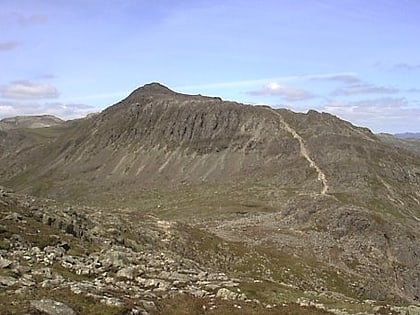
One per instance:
(356, 59)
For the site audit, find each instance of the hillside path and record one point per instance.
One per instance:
(305, 153)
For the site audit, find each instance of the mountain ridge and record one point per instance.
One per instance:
(408, 135)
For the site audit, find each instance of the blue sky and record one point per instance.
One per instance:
(357, 59)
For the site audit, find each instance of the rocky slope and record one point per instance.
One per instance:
(318, 207)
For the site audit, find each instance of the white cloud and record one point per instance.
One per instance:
(62, 110)
(28, 90)
(386, 114)
(6, 111)
(287, 93)
(364, 88)
(9, 45)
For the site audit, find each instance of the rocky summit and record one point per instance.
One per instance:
(167, 203)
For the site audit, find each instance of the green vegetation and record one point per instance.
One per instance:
(15, 303)
(183, 304)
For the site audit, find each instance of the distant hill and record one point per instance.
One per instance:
(30, 122)
(408, 135)
(410, 143)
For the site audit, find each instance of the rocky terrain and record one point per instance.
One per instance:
(117, 267)
(167, 200)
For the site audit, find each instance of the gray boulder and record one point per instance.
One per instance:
(51, 307)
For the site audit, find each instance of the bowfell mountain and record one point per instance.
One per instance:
(244, 209)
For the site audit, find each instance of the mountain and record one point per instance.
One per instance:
(30, 122)
(409, 143)
(408, 135)
(309, 206)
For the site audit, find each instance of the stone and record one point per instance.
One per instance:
(114, 259)
(14, 216)
(52, 307)
(151, 283)
(180, 277)
(7, 281)
(410, 310)
(148, 305)
(5, 263)
(64, 245)
(111, 301)
(3, 229)
(126, 273)
(197, 292)
(224, 293)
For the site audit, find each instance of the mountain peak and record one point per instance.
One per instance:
(153, 88)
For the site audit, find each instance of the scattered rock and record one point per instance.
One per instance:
(126, 273)
(51, 307)
(7, 281)
(5, 263)
(14, 216)
(148, 305)
(224, 293)
(64, 245)
(115, 259)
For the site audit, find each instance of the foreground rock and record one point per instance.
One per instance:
(57, 258)
(51, 307)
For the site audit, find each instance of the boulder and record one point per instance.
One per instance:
(224, 293)
(5, 263)
(126, 273)
(114, 259)
(51, 307)
(7, 281)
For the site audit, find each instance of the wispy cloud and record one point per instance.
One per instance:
(343, 78)
(246, 83)
(407, 67)
(9, 45)
(31, 19)
(45, 76)
(364, 88)
(286, 93)
(28, 90)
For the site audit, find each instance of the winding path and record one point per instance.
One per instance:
(304, 152)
